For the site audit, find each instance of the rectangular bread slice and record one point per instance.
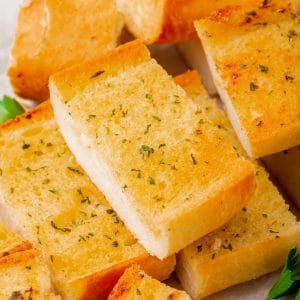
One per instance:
(253, 53)
(25, 276)
(148, 149)
(168, 21)
(51, 35)
(136, 284)
(285, 166)
(51, 201)
(255, 242)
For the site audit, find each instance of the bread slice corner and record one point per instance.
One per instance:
(136, 283)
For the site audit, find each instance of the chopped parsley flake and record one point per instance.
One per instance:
(146, 151)
(253, 86)
(264, 69)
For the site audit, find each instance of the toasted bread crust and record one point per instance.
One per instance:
(19, 248)
(18, 257)
(272, 255)
(43, 110)
(45, 41)
(99, 285)
(136, 282)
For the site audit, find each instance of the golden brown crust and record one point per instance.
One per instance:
(127, 55)
(19, 248)
(135, 282)
(18, 257)
(41, 111)
(188, 79)
(99, 285)
(45, 41)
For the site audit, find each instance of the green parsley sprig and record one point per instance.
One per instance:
(287, 283)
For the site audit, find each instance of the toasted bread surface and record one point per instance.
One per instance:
(254, 242)
(253, 53)
(52, 34)
(136, 284)
(168, 21)
(52, 202)
(24, 276)
(146, 140)
(296, 4)
(285, 166)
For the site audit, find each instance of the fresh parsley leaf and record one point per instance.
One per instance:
(286, 284)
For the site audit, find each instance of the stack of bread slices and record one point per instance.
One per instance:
(124, 174)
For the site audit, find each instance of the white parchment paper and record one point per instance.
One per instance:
(254, 290)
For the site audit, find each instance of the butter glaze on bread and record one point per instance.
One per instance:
(148, 149)
(253, 52)
(136, 284)
(51, 201)
(52, 35)
(254, 242)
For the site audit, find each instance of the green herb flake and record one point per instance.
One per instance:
(75, 171)
(151, 180)
(138, 292)
(291, 34)
(25, 146)
(162, 162)
(55, 192)
(193, 159)
(60, 229)
(146, 151)
(115, 244)
(149, 97)
(156, 118)
(288, 77)
(147, 129)
(138, 172)
(253, 86)
(286, 284)
(264, 69)
(96, 74)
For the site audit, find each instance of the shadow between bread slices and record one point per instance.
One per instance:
(148, 149)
